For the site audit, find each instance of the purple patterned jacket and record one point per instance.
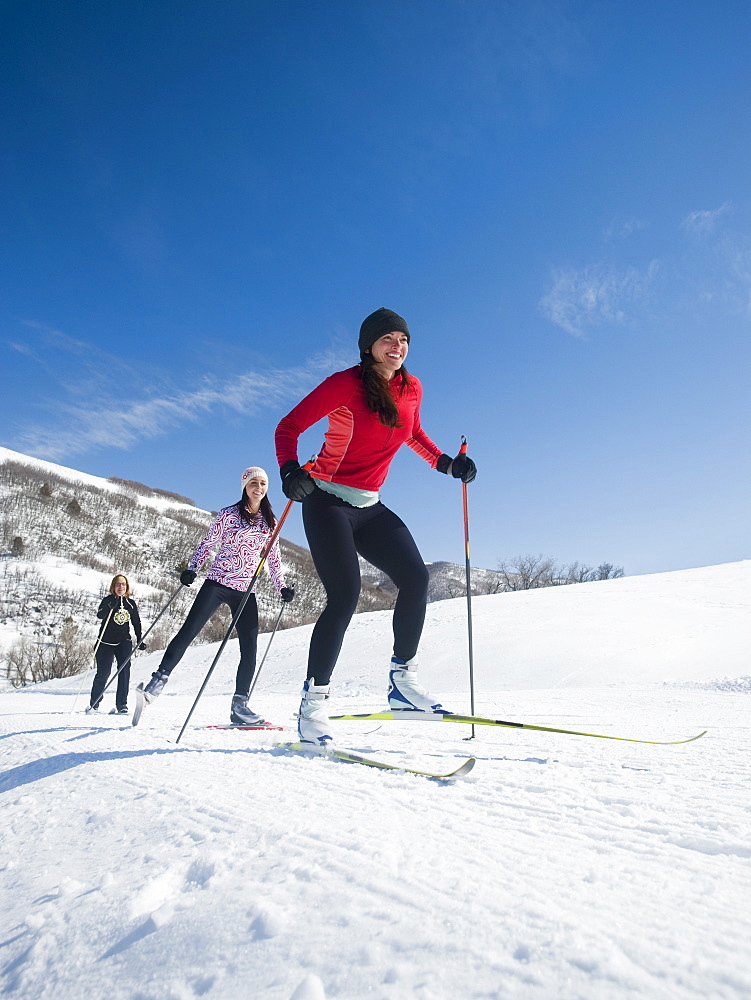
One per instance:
(241, 547)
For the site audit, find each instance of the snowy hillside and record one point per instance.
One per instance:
(563, 868)
(65, 534)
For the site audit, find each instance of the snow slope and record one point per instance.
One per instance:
(73, 476)
(564, 867)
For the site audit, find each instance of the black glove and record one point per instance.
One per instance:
(462, 467)
(109, 603)
(141, 645)
(287, 593)
(296, 482)
(187, 577)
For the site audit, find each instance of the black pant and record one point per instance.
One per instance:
(337, 533)
(208, 599)
(104, 657)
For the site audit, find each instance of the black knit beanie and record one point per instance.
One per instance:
(380, 322)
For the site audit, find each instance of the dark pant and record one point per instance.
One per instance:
(208, 599)
(337, 533)
(104, 657)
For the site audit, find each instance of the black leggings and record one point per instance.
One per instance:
(208, 599)
(104, 657)
(337, 533)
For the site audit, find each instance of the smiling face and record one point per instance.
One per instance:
(389, 353)
(255, 491)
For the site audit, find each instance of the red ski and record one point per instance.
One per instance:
(266, 725)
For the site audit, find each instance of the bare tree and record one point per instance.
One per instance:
(494, 584)
(607, 571)
(577, 573)
(30, 661)
(531, 572)
(528, 572)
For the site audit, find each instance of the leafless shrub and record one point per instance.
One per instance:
(528, 572)
(189, 520)
(177, 497)
(490, 584)
(150, 491)
(130, 484)
(216, 627)
(161, 634)
(30, 661)
(607, 571)
(531, 572)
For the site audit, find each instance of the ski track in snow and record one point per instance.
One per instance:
(562, 867)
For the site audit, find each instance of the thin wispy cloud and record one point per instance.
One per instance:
(705, 222)
(719, 253)
(622, 230)
(85, 424)
(706, 275)
(21, 348)
(588, 297)
(80, 368)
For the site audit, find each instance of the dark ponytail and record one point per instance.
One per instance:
(265, 509)
(378, 393)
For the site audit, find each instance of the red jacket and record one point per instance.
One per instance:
(358, 448)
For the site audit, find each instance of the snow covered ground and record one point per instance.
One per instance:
(563, 868)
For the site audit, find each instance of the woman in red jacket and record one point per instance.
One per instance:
(372, 409)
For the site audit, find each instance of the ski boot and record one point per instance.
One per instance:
(406, 692)
(155, 686)
(241, 715)
(145, 695)
(313, 723)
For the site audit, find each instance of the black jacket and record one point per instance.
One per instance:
(117, 614)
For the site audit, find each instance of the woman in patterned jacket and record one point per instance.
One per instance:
(242, 531)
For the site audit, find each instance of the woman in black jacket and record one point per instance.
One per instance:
(118, 612)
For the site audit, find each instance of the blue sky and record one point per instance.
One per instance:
(202, 201)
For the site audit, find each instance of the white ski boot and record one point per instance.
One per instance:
(406, 692)
(313, 723)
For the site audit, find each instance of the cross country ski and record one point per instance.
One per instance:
(354, 758)
(478, 720)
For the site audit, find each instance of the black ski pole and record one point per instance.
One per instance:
(267, 548)
(463, 451)
(266, 653)
(143, 639)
